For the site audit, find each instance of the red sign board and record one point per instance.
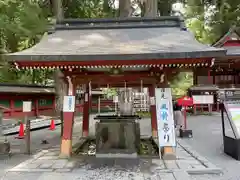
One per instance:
(185, 101)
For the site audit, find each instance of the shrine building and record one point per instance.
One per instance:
(94, 53)
(43, 101)
(224, 74)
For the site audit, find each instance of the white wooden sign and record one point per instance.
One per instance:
(27, 106)
(86, 97)
(69, 104)
(115, 99)
(152, 101)
(203, 99)
(165, 122)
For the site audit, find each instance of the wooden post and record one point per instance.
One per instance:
(185, 117)
(28, 128)
(195, 77)
(11, 107)
(195, 109)
(68, 119)
(36, 108)
(99, 105)
(85, 126)
(214, 76)
(153, 112)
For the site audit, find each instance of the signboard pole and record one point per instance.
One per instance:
(185, 117)
(99, 105)
(115, 99)
(231, 128)
(185, 102)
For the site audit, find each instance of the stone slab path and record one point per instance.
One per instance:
(48, 165)
(49, 161)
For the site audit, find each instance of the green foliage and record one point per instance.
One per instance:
(88, 9)
(23, 23)
(209, 20)
(110, 92)
(181, 83)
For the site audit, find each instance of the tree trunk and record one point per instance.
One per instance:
(58, 9)
(60, 85)
(151, 8)
(165, 7)
(60, 91)
(125, 9)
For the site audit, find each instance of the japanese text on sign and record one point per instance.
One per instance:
(166, 130)
(69, 104)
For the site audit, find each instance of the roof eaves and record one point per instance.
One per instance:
(223, 38)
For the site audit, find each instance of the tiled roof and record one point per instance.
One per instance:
(30, 89)
(118, 39)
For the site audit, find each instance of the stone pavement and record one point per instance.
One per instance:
(208, 141)
(49, 161)
(47, 164)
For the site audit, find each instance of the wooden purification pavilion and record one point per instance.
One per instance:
(116, 52)
(225, 72)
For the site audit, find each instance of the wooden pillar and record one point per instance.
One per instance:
(214, 76)
(11, 107)
(195, 77)
(209, 76)
(36, 108)
(54, 104)
(90, 97)
(153, 112)
(68, 118)
(86, 106)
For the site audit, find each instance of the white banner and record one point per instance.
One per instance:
(165, 122)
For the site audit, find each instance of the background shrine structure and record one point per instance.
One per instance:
(116, 52)
(224, 74)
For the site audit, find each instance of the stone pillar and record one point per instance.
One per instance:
(68, 119)
(86, 106)
(153, 112)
